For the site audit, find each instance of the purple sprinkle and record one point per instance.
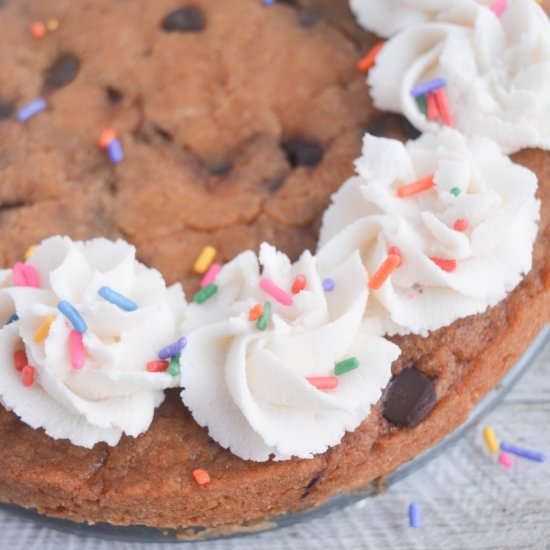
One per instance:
(415, 515)
(30, 109)
(173, 349)
(428, 86)
(114, 150)
(269, 2)
(523, 453)
(328, 284)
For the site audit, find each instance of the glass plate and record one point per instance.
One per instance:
(148, 534)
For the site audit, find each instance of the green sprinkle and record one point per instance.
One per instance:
(422, 104)
(174, 367)
(261, 324)
(346, 365)
(205, 293)
(455, 191)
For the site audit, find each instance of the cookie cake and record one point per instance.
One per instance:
(162, 364)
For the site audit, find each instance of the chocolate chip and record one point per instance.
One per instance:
(409, 398)
(276, 183)
(301, 153)
(62, 72)
(392, 126)
(309, 17)
(312, 484)
(113, 95)
(185, 19)
(219, 169)
(7, 108)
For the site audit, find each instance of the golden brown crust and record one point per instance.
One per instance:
(163, 199)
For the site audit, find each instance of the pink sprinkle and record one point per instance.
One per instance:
(431, 105)
(32, 276)
(506, 460)
(211, 275)
(276, 292)
(324, 382)
(19, 276)
(76, 349)
(498, 7)
(410, 295)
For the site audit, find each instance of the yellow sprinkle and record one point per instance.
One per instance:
(491, 440)
(52, 25)
(204, 260)
(29, 252)
(44, 329)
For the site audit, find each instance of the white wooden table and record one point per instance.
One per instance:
(468, 499)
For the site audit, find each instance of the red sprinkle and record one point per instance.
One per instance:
(106, 137)
(27, 375)
(460, 225)
(157, 366)
(38, 30)
(324, 382)
(443, 107)
(415, 187)
(20, 359)
(370, 59)
(299, 284)
(446, 265)
(432, 106)
(390, 264)
(202, 477)
(255, 312)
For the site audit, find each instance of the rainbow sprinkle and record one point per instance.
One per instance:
(346, 365)
(328, 284)
(27, 375)
(370, 59)
(12, 319)
(415, 515)
(210, 275)
(44, 329)
(255, 312)
(157, 366)
(498, 7)
(506, 460)
(276, 292)
(73, 316)
(299, 284)
(204, 260)
(202, 477)
(25, 275)
(205, 294)
(429, 86)
(76, 350)
(390, 264)
(523, 453)
(114, 150)
(173, 349)
(20, 359)
(31, 109)
(323, 382)
(415, 187)
(174, 366)
(117, 299)
(491, 439)
(445, 265)
(265, 317)
(456, 191)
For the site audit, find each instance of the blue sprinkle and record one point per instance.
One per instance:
(30, 109)
(428, 86)
(328, 284)
(269, 2)
(415, 515)
(12, 319)
(114, 150)
(117, 299)
(524, 453)
(73, 316)
(173, 349)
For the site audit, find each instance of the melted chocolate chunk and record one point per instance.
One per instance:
(219, 169)
(392, 126)
(186, 19)
(312, 484)
(276, 183)
(409, 398)
(113, 95)
(62, 72)
(309, 17)
(301, 153)
(7, 108)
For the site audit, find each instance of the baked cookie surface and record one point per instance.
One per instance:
(238, 121)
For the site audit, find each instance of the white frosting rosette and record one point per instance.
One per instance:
(112, 393)
(497, 73)
(387, 17)
(491, 198)
(251, 388)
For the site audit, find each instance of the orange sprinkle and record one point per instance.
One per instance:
(415, 187)
(370, 59)
(443, 107)
(394, 251)
(446, 265)
(202, 477)
(432, 106)
(460, 225)
(20, 359)
(38, 30)
(255, 312)
(106, 137)
(390, 264)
